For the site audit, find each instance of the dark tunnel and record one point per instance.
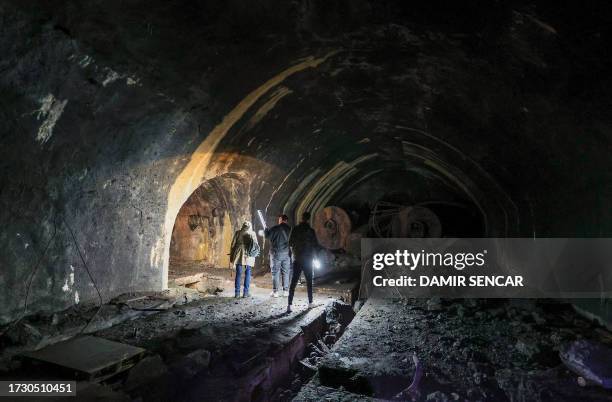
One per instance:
(139, 136)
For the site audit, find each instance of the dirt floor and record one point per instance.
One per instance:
(234, 349)
(474, 350)
(215, 348)
(341, 282)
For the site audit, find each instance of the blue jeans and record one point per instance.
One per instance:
(247, 279)
(281, 264)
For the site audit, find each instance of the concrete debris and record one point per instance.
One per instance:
(192, 364)
(434, 304)
(309, 366)
(337, 316)
(329, 339)
(89, 358)
(438, 396)
(592, 361)
(527, 349)
(208, 284)
(323, 346)
(467, 355)
(217, 346)
(40, 330)
(145, 372)
(25, 334)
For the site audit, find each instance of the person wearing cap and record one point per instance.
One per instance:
(243, 251)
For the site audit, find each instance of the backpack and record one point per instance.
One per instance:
(254, 249)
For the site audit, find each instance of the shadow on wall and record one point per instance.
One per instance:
(205, 224)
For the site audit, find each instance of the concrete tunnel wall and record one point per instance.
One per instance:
(115, 113)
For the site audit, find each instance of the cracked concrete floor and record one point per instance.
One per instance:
(219, 348)
(215, 314)
(471, 350)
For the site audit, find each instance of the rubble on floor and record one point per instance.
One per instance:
(201, 277)
(340, 281)
(314, 391)
(247, 350)
(84, 358)
(343, 286)
(591, 360)
(476, 350)
(220, 346)
(235, 349)
(423, 350)
(38, 330)
(337, 317)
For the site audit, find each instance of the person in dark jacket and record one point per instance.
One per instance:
(304, 247)
(280, 255)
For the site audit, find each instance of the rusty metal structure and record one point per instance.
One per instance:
(389, 219)
(333, 227)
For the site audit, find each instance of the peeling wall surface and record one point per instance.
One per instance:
(206, 223)
(116, 112)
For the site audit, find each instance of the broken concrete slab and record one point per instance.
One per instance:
(314, 391)
(253, 342)
(24, 333)
(194, 363)
(87, 357)
(210, 284)
(38, 331)
(145, 372)
(470, 356)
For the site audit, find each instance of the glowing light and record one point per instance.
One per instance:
(316, 263)
(261, 218)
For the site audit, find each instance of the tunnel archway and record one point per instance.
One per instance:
(454, 187)
(204, 226)
(198, 168)
(333, 155)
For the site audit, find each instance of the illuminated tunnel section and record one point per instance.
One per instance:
(498, 134)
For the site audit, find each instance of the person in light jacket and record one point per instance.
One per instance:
(244, 249)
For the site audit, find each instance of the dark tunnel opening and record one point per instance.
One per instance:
(202, 229)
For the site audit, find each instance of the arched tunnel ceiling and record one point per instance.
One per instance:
(117, 111)
(359, 112)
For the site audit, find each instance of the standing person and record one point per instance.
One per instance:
(280, 255)
(243, 252)
(304, 246)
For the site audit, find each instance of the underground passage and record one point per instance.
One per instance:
(197, 199)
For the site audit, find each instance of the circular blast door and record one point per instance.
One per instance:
(333, 227)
